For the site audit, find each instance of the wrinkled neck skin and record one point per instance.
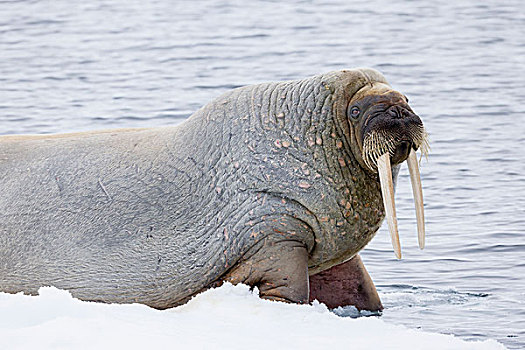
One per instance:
(296, 144)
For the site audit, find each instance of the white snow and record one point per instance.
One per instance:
(229, 317)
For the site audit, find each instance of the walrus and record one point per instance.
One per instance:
(276, 185)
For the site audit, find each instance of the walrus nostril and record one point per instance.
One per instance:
(398, 112)
(393, 112)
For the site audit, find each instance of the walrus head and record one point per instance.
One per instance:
(387, 132)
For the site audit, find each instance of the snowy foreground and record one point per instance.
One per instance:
(229, 317)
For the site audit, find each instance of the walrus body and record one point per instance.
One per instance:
(261, 186)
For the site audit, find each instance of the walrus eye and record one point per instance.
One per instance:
(354, 112)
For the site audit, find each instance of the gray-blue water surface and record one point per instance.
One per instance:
(67, 66)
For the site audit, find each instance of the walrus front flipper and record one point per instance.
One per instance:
(346, 284)
(278, 269)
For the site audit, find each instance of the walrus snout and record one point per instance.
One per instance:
(390, 132)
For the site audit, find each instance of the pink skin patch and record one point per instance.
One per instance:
(345, 284)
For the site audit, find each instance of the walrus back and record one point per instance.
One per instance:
(110, 216)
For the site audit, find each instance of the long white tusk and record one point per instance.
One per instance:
(387, 189)
(417, 191)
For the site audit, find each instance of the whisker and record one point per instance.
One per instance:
(379, 142)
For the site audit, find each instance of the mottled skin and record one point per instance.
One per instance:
(264, 185)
